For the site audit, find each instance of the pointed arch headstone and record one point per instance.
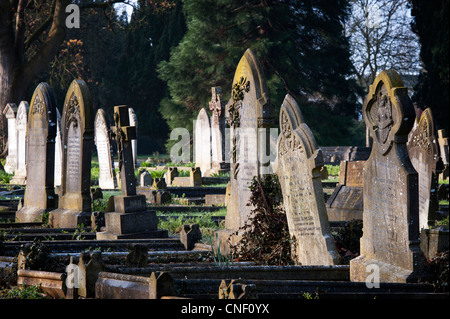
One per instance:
(40, 193)
(249, 115)
(299, 171)
(77, 132)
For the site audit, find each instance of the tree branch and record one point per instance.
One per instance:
(20, 29)
(51, 44)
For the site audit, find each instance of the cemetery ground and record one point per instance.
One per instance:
(36, 259)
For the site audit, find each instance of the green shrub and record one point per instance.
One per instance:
(266, 238)
(24, 292)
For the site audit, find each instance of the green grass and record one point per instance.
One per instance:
(333, 170)
(175, 221)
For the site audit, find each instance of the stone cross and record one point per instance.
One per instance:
(123, 133)
(217, 106)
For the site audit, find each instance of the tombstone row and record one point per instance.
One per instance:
(16, 160)
(71, 205)
(396, 182)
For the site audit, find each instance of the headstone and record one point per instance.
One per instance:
(20, 174)
(107, 176)
(443, 150)
(424, 153)
(299, 172)
(133, 122)
(202, 142)
(217, 106)
(40, 193)
(77, 128)
(137, 255)
(248, 114)
(145, 179)
(390, 243)
(189, 235)
(171, 173)
(159, 183)
(346, 202)
(130, 218)
(10, 112)
(58, 151)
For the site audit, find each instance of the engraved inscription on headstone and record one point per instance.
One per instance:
(299, 165)
(391, 212)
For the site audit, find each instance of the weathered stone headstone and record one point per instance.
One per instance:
(202, 142)
(189, 235)
(346, 202)
(424, 153)
(77, 128)
(247, 115)
(133, 122)
(40, 193)
(443, 150)
(130, 217)
(145, 179)
(107, 176)
(217, 106)
(171, 173)
(299, 172)
(58, 151)
(390, 242)
(20, 174)
(10, 112)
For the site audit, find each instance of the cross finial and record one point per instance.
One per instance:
(216, 104)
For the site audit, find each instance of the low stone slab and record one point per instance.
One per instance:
(211, 271)
(52, 283)
(120, 286)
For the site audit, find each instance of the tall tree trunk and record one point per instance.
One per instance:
(17, 74)
(7, 62)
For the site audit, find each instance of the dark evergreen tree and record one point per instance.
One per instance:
(301, 48)
(432, 90)
(151, 33)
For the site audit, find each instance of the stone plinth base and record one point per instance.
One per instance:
(68, 218)
(18, 180)
(30, 215)
(361, 269)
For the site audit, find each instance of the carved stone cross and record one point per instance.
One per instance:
(123, 133)
(216, 105)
